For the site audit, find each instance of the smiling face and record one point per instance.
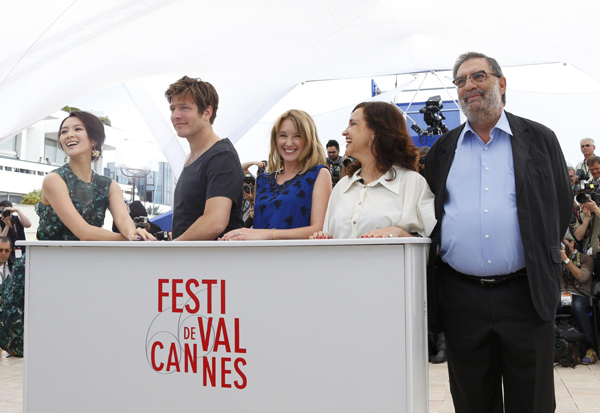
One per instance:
(289, 142)
(74, 138)
(358, 135)
(595, 170)
(185, 117)
(480, 101)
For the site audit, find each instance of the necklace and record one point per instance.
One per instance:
(282, 175)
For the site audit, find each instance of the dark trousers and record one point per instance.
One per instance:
(579, 308)
(496, 343)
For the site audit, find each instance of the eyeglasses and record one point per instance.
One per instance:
(4, 250)
(477, 77)
(586, 146)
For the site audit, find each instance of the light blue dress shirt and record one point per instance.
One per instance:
(480, 229)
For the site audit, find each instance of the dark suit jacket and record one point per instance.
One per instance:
(544, 202)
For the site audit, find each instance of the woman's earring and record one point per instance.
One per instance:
(95, 154)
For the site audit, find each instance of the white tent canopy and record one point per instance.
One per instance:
(53, 52)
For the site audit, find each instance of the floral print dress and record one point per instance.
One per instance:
(91, 201)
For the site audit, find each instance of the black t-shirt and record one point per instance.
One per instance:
(217, 172)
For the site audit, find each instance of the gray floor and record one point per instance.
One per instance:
(577, 390)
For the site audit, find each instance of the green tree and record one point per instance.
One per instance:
(32, 198)
(71, 109)
(104, 119)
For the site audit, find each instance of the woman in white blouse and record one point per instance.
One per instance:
(382, 196)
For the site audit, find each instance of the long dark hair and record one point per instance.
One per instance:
(392, 145)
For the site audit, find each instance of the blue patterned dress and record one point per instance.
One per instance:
(284, 206)
(91, 201)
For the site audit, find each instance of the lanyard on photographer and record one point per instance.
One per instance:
(589, 249)
(3, 275)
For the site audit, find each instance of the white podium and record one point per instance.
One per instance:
(282, 326)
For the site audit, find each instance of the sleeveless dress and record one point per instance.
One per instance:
(284, 206)
(91, 201)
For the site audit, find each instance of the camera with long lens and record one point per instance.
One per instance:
(348, 161)
(564, 354)
(587, 188)
(155, 230)
(161, 236)
(140, 222)
(261, 170)
(6, 213)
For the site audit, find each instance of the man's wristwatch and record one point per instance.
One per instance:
(567, 261)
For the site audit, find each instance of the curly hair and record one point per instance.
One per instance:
(392, 145)
(313, 153)
(202, 93)
(93, 127)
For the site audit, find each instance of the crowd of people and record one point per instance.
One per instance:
(497, 267)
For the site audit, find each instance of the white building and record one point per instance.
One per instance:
(26, 158)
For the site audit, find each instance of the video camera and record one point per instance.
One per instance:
(433, 117)
(587, 189)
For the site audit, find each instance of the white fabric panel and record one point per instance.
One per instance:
(53, 52)
(255, 144)
(163, 132)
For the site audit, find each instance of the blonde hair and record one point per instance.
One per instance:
(313, 153)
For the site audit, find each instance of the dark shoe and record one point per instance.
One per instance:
(440, 357)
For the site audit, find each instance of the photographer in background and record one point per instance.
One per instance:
(248, 207)
(587, 226)
(422, 154)
(587, 149)
(335, 161)
(261, 165)
(575, 290)
(139, 215)
(6, 261)
(13, 226)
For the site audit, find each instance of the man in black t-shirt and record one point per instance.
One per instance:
(209, 192)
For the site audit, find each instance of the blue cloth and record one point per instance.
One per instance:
(480, 229)
(284, 206)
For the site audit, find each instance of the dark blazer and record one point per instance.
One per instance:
(544, 202)
(11, 263)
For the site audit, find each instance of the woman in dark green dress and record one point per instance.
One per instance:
(74, 201)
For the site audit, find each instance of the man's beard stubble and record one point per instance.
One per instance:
(487, 109)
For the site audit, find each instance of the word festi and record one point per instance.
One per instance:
(210, 340)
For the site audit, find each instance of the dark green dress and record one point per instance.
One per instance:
(91, 201)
